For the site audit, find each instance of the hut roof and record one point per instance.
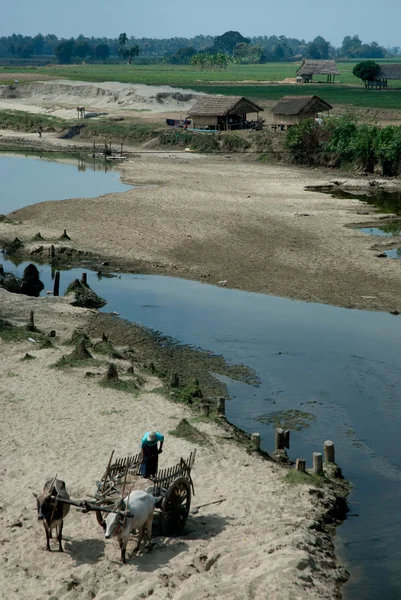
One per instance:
(392, 71)
(318, 67)
(296, 105)
(220, 106)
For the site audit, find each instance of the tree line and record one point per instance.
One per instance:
(236, 47)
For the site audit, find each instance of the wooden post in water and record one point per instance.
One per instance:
(279, 438)
(84, 279)
(300, 465)
(205, 410)
(318, 463)
(221, 406)
(286, 437)
(255, 441)
(52, 252)
(94, 149)
(329, 451)
(56, 288)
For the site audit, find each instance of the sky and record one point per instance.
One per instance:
(372, 20)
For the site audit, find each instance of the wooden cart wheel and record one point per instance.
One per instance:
(175, 507)
(102, 516)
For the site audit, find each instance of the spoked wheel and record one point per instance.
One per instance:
(175, 507)
(102, 516)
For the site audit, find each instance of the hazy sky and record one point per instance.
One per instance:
(373, 20)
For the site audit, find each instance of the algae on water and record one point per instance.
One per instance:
(288, 419)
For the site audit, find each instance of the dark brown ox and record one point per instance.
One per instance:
(51, 511)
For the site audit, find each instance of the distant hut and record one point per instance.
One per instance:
(293, 109)
(386, 72)
(223, 113)
(309, 68)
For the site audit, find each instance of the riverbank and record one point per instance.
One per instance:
(227, 219)
(266, 538)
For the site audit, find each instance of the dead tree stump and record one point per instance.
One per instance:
(255, 441)
(205, 410)
(318, 463)
(56, 287)
(329, 451)
(221, 406)
(80, 351)
(300, 465)
(112, 373)
(280, 439)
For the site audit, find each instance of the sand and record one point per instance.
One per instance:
(228, 218)
(60, 98)
(259, 543)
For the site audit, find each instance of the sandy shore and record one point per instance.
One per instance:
(218, 218)
(265, 540)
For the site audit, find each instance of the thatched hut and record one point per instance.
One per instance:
(293, 109)
(222, 113)
(309, 68)
(385, 73)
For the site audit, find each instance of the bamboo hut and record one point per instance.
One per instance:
(222, 113)
(309, 68)
(385, 73)
(293, 109)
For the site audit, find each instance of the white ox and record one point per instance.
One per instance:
(139, 506)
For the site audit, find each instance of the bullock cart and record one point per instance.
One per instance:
(173, 487)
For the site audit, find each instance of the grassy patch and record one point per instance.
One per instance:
(76, 337)
(106, 347)
(12, 333)
(18, 120)
(122, 385)
(187, 431)
(66, 362)
(288, 419)
(298, 477)
(159, 390)
(8, 221)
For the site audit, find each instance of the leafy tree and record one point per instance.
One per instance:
(366, 70)
(126, 50)
(226, 43)
(102, 51)
(350, 45)
(183, 56)
(82, 50)
(248, 54)
(322, 46)
(38, 44)
(312, 51)
(64, 51)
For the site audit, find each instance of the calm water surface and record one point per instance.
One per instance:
(30, 180)
(342, 366)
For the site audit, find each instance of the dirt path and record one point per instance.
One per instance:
(218, 218)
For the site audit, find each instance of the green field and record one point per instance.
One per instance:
(249, 80)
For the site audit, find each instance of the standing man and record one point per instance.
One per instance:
(150, 452)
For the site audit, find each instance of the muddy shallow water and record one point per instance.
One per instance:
(340, 366)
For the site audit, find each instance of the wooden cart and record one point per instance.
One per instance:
(173, 487)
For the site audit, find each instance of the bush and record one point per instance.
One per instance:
(366, 70)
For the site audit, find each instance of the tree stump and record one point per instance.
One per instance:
(30, 326)
(279, 438)
(255, 441)
(84, 279)
(80, 351)
(112, 373)
(329, 451)
(286, 438)
(56, 287)
(221, 406)
(105, 337)
(64, 236)
(318, 463)
(300, 465)
(175, 380)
